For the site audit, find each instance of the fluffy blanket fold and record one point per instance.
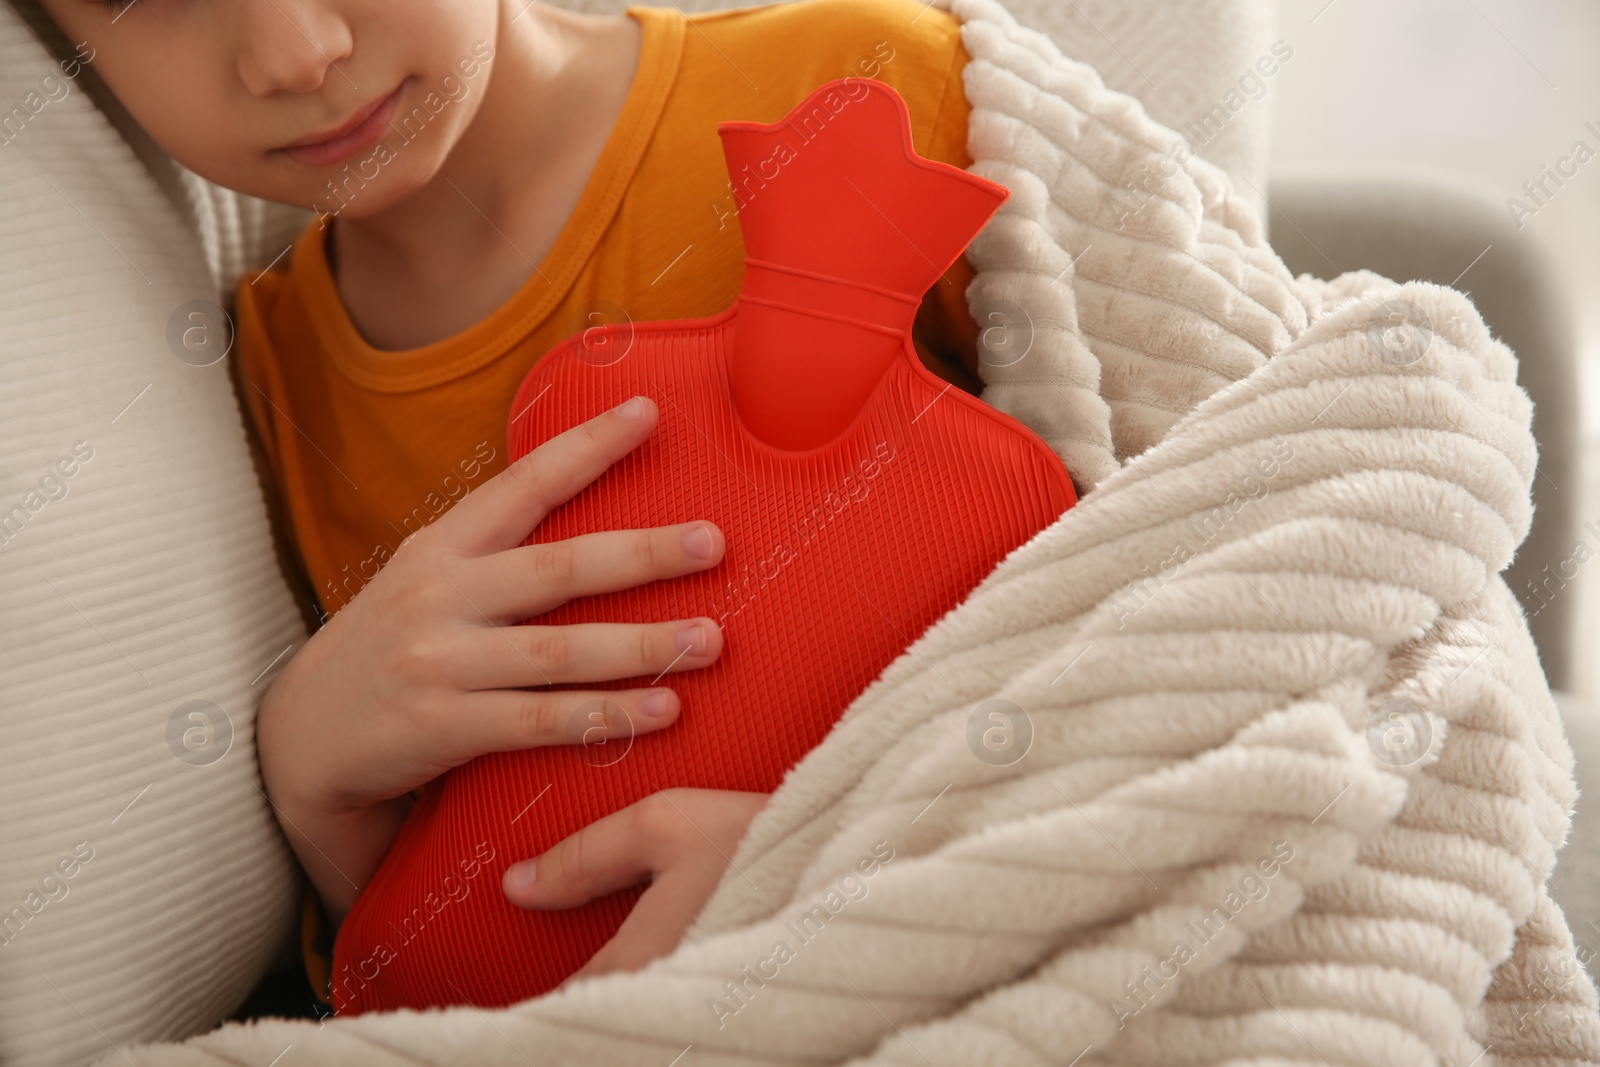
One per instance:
(1247, 759)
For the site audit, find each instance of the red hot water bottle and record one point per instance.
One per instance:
(861, 496)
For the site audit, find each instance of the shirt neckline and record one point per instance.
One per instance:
(411, 369)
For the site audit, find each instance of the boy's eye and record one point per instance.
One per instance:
(118, 5)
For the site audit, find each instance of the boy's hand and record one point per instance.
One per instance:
(680, 840)
(425, 669)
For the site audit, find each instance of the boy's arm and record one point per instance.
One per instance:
(413, 677)
(359, 838)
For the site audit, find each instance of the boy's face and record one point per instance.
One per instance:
(228, 87)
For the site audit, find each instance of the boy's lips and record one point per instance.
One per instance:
(362, 130)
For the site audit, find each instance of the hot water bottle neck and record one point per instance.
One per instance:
(845, 228)
(861, 497)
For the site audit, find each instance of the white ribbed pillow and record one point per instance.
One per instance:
(142, 895)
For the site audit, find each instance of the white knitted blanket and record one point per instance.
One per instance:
(1246, 759)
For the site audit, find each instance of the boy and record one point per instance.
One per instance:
(490, 177)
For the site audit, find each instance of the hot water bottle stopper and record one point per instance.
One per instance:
(861, 496)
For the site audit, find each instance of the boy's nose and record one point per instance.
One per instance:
(289, 45)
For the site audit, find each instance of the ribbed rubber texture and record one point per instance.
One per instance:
(837, 560)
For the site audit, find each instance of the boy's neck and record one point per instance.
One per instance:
(556, 78)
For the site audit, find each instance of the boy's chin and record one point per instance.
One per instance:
(349, 198)
(356, 188)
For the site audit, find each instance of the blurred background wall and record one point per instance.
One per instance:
(1495, 89)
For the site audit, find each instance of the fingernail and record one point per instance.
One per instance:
(692, 639)
(657, 704)
(632, 410)
(520, 877)
(697, 542)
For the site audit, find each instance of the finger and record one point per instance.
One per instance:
(605, 722)
(500, 513)
(609, 854)
(657, 922)
(524, 582)
(517, 656)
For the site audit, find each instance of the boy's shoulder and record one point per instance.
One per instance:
(904, 17)
(837, 38)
